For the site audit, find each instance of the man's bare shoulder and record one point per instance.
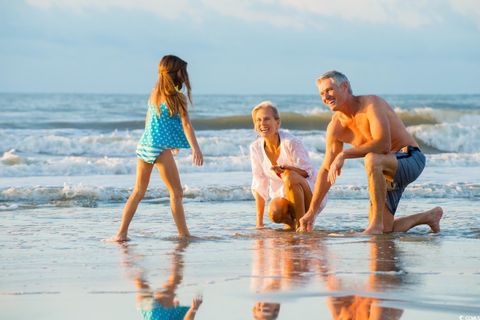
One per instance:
(335, 126)
(334, 122)
(369, 102)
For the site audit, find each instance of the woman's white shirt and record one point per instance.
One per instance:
(292, 153)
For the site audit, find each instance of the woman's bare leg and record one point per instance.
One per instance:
(279, 211)
(298, 193)
(144, 171)
(168, 171)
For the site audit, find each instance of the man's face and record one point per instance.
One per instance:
(331, 93)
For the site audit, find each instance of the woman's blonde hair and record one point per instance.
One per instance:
(172, 75)
(266, 105)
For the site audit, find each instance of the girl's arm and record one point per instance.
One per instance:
(196, 302)
(197, 156)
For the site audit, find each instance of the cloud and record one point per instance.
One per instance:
(288, 13)
(169, 9)
(266, 11)
(406, 13)
(468, 8)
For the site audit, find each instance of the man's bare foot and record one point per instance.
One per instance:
(373, 231)
(119, 238)
(434, 222)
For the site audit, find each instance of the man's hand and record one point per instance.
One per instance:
(335, 168)
(306, 223)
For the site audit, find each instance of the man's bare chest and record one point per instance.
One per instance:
(355, 131)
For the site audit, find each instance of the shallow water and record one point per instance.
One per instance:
(54, 261)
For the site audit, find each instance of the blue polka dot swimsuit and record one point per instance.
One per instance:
(162, 132)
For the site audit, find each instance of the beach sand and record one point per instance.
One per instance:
(56, 264)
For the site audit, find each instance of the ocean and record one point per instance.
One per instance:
(68, 164)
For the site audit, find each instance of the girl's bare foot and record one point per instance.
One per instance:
(119, 238)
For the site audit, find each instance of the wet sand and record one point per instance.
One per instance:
(55, 265)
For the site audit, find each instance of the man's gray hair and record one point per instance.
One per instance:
(338, 78)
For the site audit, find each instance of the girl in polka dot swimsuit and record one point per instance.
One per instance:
(167, 128)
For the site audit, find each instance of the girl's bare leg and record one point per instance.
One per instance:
(168, 171)
(144, 170)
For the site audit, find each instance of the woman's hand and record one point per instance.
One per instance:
(197, 157)
(278, 169)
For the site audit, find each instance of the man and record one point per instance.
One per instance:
(392, 157)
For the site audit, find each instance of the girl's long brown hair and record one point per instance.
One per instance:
(172, 75)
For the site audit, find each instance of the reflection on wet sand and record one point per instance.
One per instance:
(287, 263)
(384, 274)
(281, 264)
(161, 303)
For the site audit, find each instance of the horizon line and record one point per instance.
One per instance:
(222, 94)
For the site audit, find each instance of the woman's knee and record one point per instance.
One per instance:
(278, 210)
(276, 215)
(289, 179)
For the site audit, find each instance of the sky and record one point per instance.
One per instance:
(241, 46)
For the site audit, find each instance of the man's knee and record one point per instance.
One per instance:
(373, 161)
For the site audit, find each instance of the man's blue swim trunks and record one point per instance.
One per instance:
(411, 162)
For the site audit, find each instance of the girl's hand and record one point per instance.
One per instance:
(175, 152)
(197, 157)
(196, 302)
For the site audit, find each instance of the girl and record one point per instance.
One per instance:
(167, 128)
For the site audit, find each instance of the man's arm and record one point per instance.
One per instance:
(333, 147)
(380, 139)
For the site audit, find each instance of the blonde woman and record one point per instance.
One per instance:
(167, 128)
(281, 169)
